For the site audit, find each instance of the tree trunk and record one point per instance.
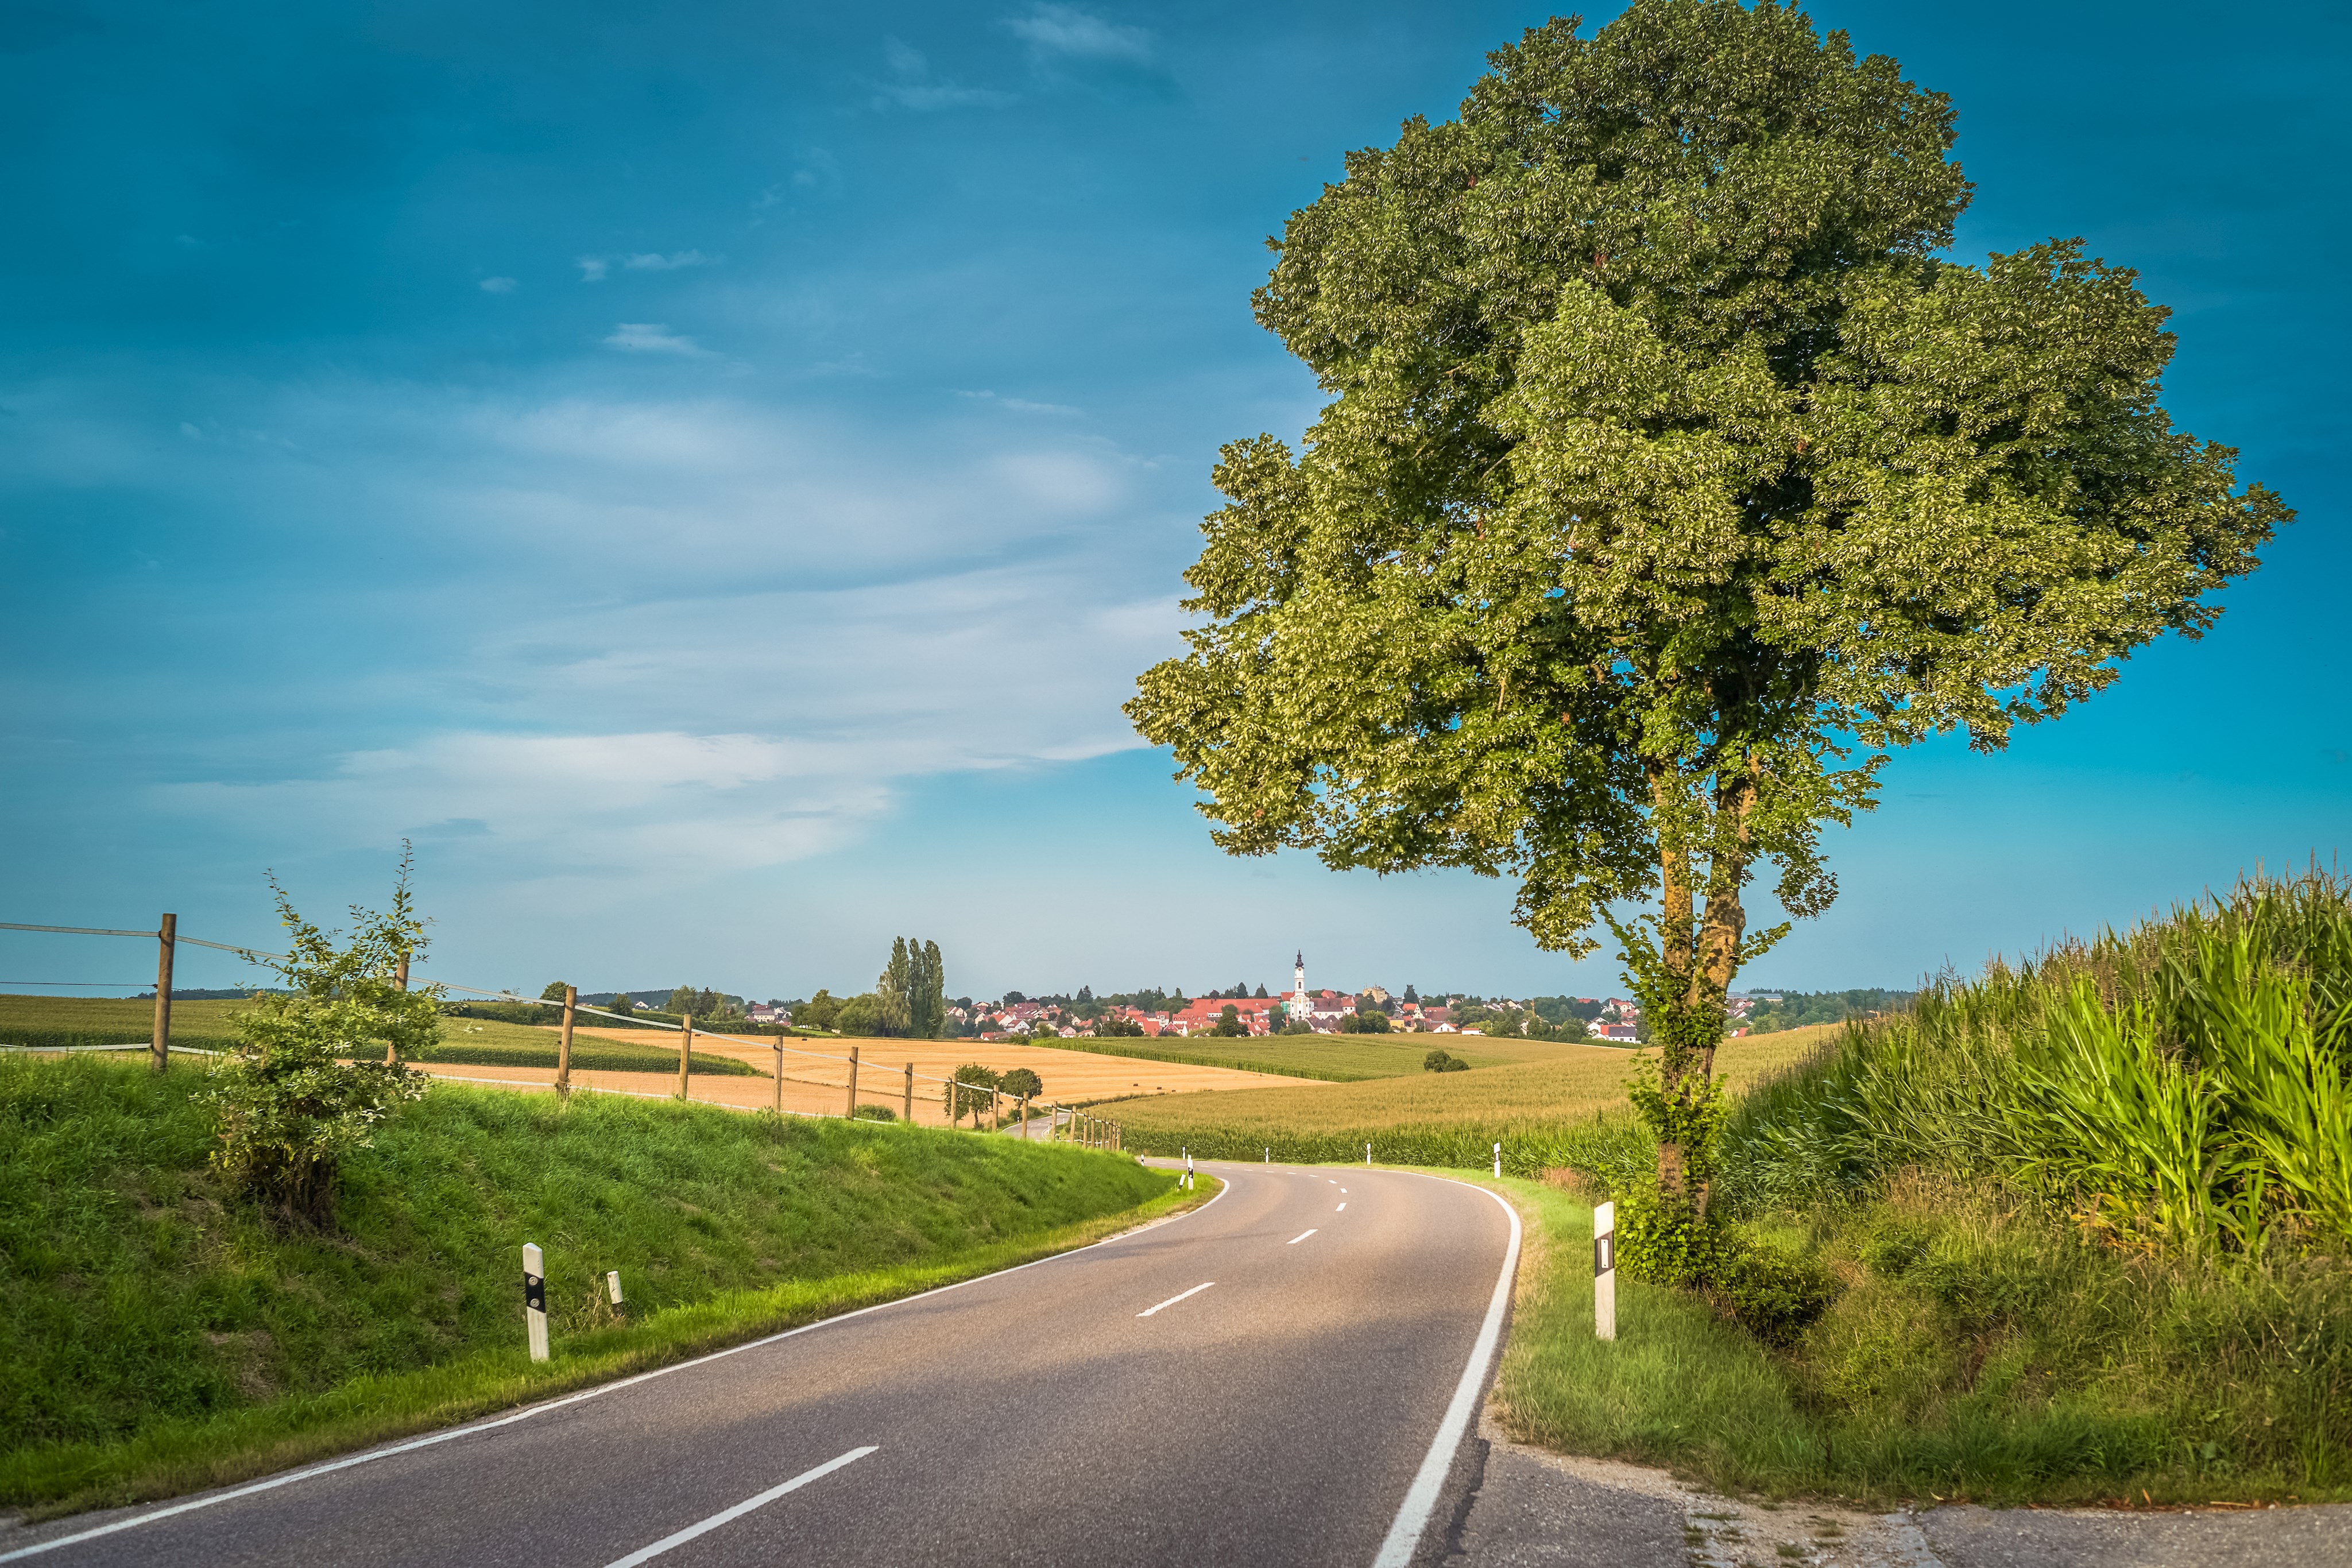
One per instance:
(1725, 921)
(1675, 900)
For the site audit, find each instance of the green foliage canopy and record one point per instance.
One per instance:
(1666, 468)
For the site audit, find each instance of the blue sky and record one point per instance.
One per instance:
(710, 475)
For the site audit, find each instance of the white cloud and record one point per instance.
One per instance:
(652, 338)
(653, 261)
(592, 268)
(498, 286)
(912, 86)
(1019, 405)
(1069, 32)
(671, 637)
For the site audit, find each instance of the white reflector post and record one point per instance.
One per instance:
(1605, 1271)
(534, 1299)
(613, 1285)
(1498, 1159)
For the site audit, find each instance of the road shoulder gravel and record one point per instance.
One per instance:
(1530, 1509)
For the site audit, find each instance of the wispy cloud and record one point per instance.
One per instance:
(592, 268)
(654, 261)
(913, 87)
(1019, 405)
(1073, 33)
(652, 338)
(498, 286)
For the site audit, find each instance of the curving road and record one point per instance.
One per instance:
(1282, 1376)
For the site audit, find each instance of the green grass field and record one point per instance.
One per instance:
(157, 1334)
(1333, 1058)
(1974, 1353)
(1545, 1113)
(109, 1021)
(210, 1026)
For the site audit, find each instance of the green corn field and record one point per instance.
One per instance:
(2182, 1084)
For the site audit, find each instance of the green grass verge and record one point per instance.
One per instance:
(1972, 1353)
(156, 1334)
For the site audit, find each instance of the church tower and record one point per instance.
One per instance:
(1299, 974)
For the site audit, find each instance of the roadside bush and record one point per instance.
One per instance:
(1661, 1239)
(874, 1114)
(1775, 1295)
(1021, 1082)
(286, 1106)
(1441, 1060)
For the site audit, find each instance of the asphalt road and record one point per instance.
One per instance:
(1282, 1376)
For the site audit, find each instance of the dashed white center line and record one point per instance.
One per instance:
(1336, 1210)
(647, 1553)
(1173, 1300)
(1299, 1238)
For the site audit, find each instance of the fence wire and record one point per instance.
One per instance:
(763, 1042)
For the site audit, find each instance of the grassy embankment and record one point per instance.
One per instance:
(1333, 1058)
(157, 1334)
(1975, 1350)
(1566, 1108)
(2080, 1230)
(54, 1021)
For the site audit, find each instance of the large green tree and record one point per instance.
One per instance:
(1669, 478)
(912, 989)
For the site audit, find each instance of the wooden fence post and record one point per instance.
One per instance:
(563, 1048)
(1025, 1118)
(910, 1094)
(780, 1075)
(167, 939)
(995, 1110)
(852, 1113)
(685, 1055)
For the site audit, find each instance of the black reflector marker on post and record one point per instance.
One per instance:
(1605, 1271)
(534, 1298)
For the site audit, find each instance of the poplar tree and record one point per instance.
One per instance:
(1671, 478)
(894, 991)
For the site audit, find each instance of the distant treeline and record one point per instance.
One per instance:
(1795, 1009)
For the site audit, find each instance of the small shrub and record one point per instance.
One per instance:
(1661, 1239)
(1443, 1061)
(286, 1107)
(874, 1114)
(1774, 1294)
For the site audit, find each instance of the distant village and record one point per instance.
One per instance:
(1301, 1009)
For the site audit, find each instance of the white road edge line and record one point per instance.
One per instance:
(1421, 1497)
(1173, 1300)
(473, 1428)
(1299, 1238)
(647, 1553)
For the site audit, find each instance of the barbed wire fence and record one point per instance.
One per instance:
(955, 1098)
